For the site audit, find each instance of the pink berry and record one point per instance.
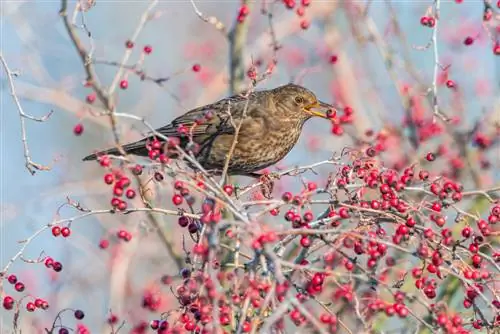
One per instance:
(196, 67)
(91, 98)
(148, 49)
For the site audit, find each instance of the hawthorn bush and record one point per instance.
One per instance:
(389, 223)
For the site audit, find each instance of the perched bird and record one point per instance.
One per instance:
(272, 123)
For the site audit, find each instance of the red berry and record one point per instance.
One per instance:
(450, 83)
(130, 193)
(65, 232)
(129, 44)
(424, 20)
(8, 302)
(19, 286)
(436, 207)
(468, 40)
(30, 307)
(289, 3)
(12, 279)
(56, 231)
(496, 49)
(337, 130)
(49, 262)
(177, 199)
(228, 189)
(430, 157)
(148, 49)
(122, 206)
(244, 10)
(466, 232)
(137, 170)
(78, 129)
(196, 68)
(109, 178)
(57, 266)
(305, 242)
(105, 161)
(287, 196)
(333, 59)
(124, 84)
(103, 244)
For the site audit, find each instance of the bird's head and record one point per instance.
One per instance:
(297, 101)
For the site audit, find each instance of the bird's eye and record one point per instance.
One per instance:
(299, 100)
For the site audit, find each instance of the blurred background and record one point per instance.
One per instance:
(379, 48)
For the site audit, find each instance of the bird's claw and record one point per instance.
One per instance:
(267, 183)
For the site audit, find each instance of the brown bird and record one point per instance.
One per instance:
(272, 123)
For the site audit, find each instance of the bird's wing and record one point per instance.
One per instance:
(217, 118)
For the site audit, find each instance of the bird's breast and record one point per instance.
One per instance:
(254, 150)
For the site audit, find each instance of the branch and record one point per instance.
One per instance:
(31, 166)
(435, 104)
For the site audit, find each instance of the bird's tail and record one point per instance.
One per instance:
(136, 148)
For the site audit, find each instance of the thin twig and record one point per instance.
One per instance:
(31, 166)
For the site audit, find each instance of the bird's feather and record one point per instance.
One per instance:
(202, 123)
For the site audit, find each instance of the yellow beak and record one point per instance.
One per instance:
(320, 109)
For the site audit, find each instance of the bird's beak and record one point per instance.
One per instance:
(321, 109)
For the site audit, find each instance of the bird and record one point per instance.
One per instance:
(271, 124)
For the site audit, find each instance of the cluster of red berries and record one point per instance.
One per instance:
(156, 147)
(263, 239)
(121, 184)
(178, 199)
(452, 323)
(124, 235)
(55, 265)
(346, 118)
(315, 285)
(428, 21)
(344, 292)
(151, 300)
(300, 11)
(389, 309)
(8, 301)
(160, 326)
(482, 141)
(210, 212)
(57, 231)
